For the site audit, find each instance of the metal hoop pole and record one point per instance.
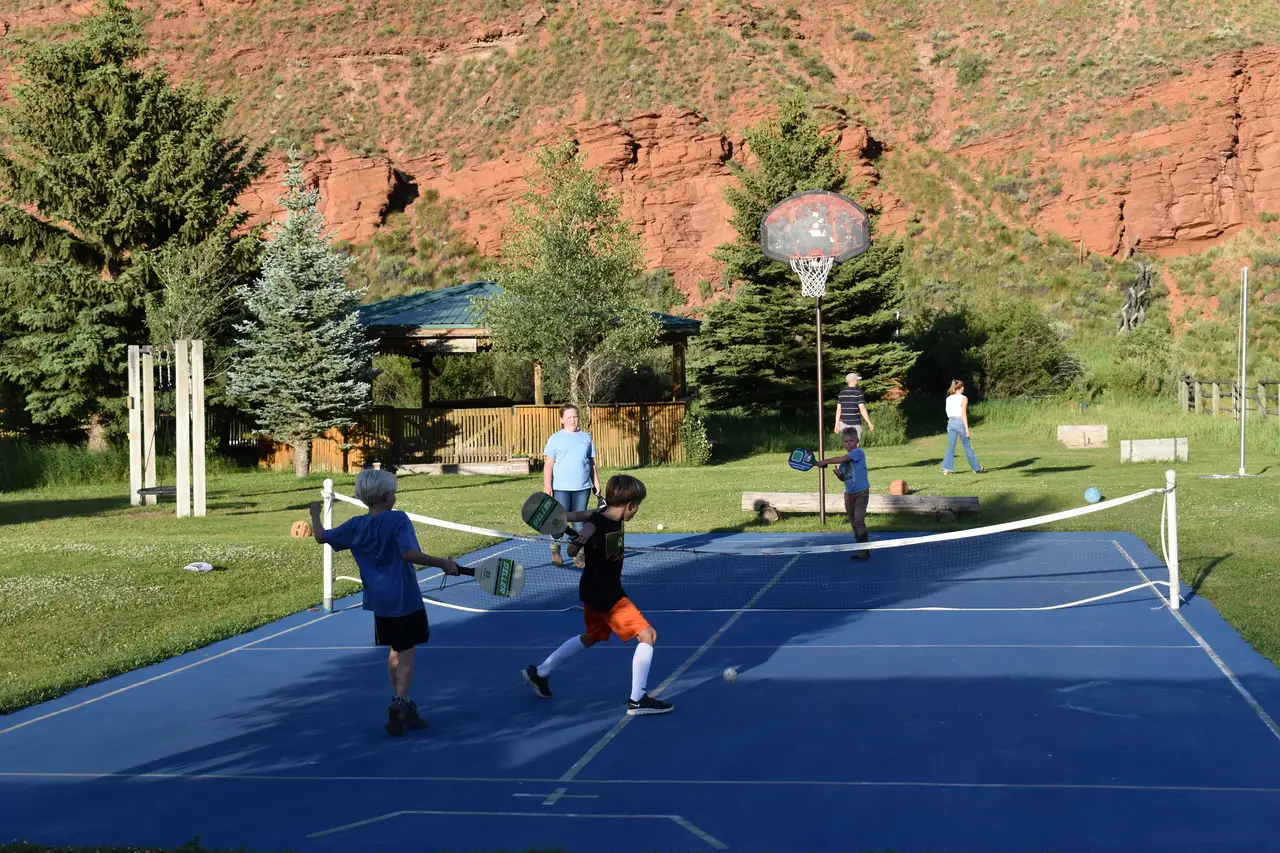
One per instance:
(822, 430)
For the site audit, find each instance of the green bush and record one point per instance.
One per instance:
(697, 445)
(1141, 363)
(891, 425)
(1022, 353)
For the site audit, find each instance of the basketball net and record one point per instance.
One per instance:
(813, 272)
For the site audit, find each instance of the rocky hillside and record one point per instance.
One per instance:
(1117, 125)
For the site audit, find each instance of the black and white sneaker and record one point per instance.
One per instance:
(540, 685)
(648, 705)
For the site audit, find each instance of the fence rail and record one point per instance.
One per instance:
(625, 436)
(1222, 398)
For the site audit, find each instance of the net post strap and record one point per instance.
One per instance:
(813, 272)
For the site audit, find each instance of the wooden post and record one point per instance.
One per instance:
(148, 424)
(135, 425)
(425, 362)
(1184, 402)
(1199, 398)
(537, 383)
(182, 424)
(677, 370)
(197, 429)
(1217, 399)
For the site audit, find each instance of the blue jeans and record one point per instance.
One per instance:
(572, 502)
(955, 430)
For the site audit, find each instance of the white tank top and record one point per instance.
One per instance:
(953, 405)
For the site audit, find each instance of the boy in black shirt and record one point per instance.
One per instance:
(605, 606)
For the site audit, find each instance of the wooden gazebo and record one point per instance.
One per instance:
(424, 325)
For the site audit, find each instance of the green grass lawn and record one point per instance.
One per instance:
(91, 587)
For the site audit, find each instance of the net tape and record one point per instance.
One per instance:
(998, 559)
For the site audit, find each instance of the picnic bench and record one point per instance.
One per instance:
(770, 504)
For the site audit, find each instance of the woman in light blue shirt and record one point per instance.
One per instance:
(569, 472)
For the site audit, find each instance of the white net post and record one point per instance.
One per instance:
(182, 425)
(327, 520)
(1171, 535)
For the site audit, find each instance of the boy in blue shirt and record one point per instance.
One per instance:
(385, 545)
(852, 471)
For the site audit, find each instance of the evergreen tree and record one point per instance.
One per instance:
(758, 349)
(305, 363)
(573, 294)
(100, 166)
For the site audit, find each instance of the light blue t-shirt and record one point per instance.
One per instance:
(377, 541)
(855, 472)
(571, 454)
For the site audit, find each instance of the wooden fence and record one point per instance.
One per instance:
(1222, 398)
(625, 435)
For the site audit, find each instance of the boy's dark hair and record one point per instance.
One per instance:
(624, 489)
(850, 431)
(566, 407)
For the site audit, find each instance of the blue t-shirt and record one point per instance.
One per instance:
(377, 541)
(855, 472)
(571, 454)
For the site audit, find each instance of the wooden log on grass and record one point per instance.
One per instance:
(770, 504)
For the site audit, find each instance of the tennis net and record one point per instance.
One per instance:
(1076, 557)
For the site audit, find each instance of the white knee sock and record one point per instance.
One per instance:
(567, 649)
(640, 670)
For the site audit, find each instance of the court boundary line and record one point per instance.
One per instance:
(678, 820)
(1209, 650)
(608, 736)
(164, 675)
(827, 646)
(839, 783)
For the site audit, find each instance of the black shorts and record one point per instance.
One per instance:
(401, 632)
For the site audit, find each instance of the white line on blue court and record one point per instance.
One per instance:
(761, 783)
(1213, 656)
(621, 648)
(163, 675)
(622, 724)
(674, 818)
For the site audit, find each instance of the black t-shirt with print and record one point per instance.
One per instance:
(600, 586)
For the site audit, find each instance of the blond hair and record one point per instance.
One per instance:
(374, 484)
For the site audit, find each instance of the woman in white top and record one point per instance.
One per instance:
(958, 428)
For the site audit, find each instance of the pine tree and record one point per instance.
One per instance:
(758, 349)
(305, 363)
(101, 165)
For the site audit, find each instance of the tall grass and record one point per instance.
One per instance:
(31, 465)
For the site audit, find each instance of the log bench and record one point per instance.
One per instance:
(770, 504)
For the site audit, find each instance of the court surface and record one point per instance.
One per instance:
(1111, 726)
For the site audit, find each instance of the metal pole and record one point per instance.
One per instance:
(1244, 334)
(326, 518)
(1171, 504)
(822, 430)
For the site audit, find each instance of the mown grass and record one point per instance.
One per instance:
(91, 587)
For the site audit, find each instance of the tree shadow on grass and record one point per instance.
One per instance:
(25, 512)
(1058, 469)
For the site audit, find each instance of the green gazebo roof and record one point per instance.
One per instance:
(450, 311)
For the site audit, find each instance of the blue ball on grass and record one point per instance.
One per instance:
(1092, 495)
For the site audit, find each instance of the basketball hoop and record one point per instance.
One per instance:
(812, 231)
(813, 272)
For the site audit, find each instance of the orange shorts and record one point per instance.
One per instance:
(623, 619)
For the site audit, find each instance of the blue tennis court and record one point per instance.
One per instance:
(862, 718)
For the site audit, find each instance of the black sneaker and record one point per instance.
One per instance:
(647, 705)
(395, 718)
(412, 718)
(540, 685)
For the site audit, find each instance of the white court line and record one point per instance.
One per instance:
(760, 783)
(1213, 656)
(155, 678)
(622, 724)
(674, 818)
(622, 648)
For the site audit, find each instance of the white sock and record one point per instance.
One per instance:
(567, 649)
(640, 670)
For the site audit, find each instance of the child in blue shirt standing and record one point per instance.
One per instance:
(857, 485)
(569, 472)
(385, 546)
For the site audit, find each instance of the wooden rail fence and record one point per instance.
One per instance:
(625, 435)
(1222, 398)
